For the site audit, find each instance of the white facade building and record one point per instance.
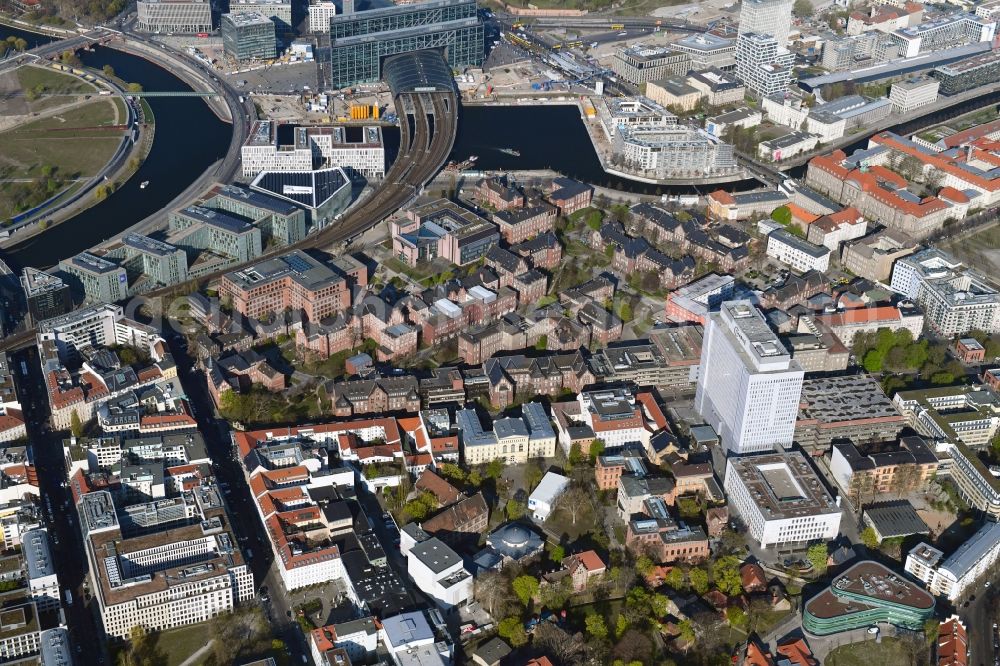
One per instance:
(798, 253)
(781, 499)
(437, 570)
(749, 386)
(959, 573)
(764, 65)
(954, 298)
(911, 94)
(544, 497)
(767, 17)
(42, 580)
(320, 13)
(357, 150)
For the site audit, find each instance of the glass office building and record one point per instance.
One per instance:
(248, 36)
(359, 42)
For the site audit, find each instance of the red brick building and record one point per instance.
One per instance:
(569, 195)
(520, 224)
(496, 192)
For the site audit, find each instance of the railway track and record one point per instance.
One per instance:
(421, 156)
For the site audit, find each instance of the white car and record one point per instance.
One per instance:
(872, 630)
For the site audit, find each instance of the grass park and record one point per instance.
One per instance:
(55, 134)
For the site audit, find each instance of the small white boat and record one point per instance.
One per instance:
(143, 185)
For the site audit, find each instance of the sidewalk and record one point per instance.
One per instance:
(196, 658)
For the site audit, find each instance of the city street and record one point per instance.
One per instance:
(242, 512)
(65, 538)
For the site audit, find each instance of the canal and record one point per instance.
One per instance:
(188, 139)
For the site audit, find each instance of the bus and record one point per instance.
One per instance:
(617, 26)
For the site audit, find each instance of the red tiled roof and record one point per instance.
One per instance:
(952, 644)
(723, 197)
(444, 492)
(951, 194)
(652, 409)
(797, 652)
(591, 561)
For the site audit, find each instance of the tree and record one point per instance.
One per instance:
(699, 580)
(512, 629)
(726, 575)
(557, 553)
(621, 626)
(526, 588)
(532, 475)
(494, 469)
(596, 449)
(109, 71)
(737, 617)
(134, 87)
(514, 509)
(421, 507)
(575, 456)
(493, 592)
(803, 8)
(644, 566)
(782, 215)
(75, 425)
(686, 631)
(141, 649)
(676, 580)
(869, 538)
(818, 557)
(574, 502)
(596, 626)
(932, 628)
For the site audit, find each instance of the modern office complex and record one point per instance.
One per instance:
(359, 42)
(279, 11)
(967, 74)
(197, 228)
(166, 579)
(767, 17)
(47, 295)
(248, 36)
(321, 193)
(707, 50)
(780, 499)
(867, 594)
(910, 94)
(99, 280)
(280, 221)
(955, 299)
(357, 150)
(942, 33)
(952, 577)
(641, 64)
(179, 16)
(749, 386)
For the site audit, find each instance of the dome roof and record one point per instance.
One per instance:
(516, 536)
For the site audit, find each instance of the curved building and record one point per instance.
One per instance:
(866, 594)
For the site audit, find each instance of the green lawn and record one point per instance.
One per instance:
(889, 651)
(179, 644)
(51, 80)
(74, 146)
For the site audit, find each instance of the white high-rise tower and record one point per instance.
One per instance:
(749, 386)
(767, 17)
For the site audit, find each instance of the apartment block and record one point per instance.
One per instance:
(441, 229)
(850, 407)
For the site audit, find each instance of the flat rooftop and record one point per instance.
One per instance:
(784, 485)
(839, 399)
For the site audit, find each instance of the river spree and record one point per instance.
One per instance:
(188, 139)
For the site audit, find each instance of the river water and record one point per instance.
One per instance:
(188, 138)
